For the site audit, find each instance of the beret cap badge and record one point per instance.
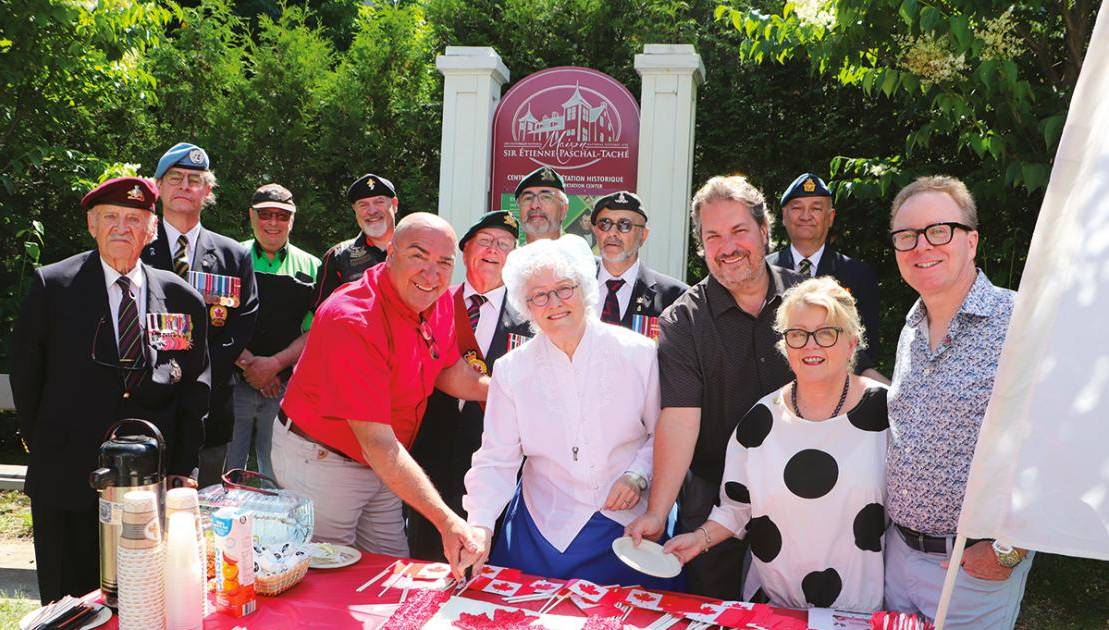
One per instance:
(135, 194)
(809, 185)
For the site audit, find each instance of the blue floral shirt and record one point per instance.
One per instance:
(936, 405)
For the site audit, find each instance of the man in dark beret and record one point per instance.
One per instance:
(541, 197)
(632, 294)
(808, 216)
(220, 269)
(102, 337)
(486, 328)
(374, 200)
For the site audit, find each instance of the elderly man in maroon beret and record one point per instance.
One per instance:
(102, 337)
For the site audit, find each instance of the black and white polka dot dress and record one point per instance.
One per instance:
(808, 497)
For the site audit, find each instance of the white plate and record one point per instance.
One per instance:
(101, 618)
(343, 556)
(647, 557)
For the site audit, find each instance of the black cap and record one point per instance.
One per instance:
(542, 176)
(502, 220)
(273, 196)
(370, 185)
(619, 200)
(806, 185)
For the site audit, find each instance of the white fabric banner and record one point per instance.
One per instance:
(1040, 477)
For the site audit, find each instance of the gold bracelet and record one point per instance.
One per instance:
(708, 541)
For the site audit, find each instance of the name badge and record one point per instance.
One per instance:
(216, 289)
(169, 331)
(646, 325)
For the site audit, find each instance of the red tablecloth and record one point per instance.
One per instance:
(326, 598)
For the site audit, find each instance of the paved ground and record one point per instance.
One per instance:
(17, 570)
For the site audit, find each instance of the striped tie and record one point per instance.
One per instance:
(610, 313)
(181, 258)
(473, 311)
(805, 267)
(130, 350)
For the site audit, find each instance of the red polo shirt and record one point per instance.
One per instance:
(367, 360)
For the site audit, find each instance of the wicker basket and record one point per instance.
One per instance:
(278, 583)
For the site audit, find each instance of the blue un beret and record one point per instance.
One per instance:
(183, 155)
(806, 185)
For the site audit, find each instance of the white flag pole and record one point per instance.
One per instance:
(955, 562)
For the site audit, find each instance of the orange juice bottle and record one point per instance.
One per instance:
(234, 562)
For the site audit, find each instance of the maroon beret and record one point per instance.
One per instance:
(132, 192)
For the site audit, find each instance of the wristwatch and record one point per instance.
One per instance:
(1006, 555)
(637, 479)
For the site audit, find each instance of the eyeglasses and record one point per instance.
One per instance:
(936, 234)
(623, 225)
(175, 179)
(825, 337)
(429, 339)
(544, 197)
(542, 297)
(502, 244)
(267, 215)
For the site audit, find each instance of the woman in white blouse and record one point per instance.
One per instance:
(804, 475)
(576, 406)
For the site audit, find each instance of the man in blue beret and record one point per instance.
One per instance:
(102, 337)
(541, 197)
(632, 294)
(374, 201)
(220, 269)
(808, 215)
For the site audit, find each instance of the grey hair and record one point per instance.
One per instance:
(210, 179)
(729, 188)
(569, 257)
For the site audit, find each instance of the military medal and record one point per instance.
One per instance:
(174, 371)
(515, 341)
(217, 289)
(169, 331)
(646, 325)
(217, 314)
(475, 362)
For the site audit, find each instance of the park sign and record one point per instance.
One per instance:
(578, 121)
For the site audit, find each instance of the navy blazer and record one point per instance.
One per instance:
(858, 278)
(651, 294)
(220, 255)
(67, 394)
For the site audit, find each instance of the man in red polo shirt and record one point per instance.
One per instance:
(377, 349)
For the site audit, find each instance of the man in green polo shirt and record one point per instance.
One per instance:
(285, 275)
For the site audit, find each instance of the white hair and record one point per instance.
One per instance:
(569, 257)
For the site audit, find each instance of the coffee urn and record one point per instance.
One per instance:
(127, 462)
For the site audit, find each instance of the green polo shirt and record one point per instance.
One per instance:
(289, 261)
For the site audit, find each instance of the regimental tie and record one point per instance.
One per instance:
(181, 258)
(130, 335)
(611, 311)
(473, 311)
(805, 267)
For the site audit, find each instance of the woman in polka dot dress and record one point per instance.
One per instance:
(804, 476)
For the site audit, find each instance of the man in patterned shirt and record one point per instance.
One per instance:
(946, 362)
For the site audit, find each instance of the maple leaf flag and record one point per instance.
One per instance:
(587, 590)
(433, 571)
(644, 599)
(545, 587)
(504, 588)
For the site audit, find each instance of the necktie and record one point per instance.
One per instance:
(130, 350)
(473, 311)
(181, 258)
(805, 267)
(611, 311)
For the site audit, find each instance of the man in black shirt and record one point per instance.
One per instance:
(716, 359)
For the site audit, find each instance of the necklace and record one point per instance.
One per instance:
(839, 406)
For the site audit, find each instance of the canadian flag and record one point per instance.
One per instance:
(504, 588)
(545, 587)
(587, 590)
(732, 614)
(644, 599)
(433, 571)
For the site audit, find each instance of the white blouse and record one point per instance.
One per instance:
(580, 423)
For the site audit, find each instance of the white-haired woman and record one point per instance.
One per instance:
(579, 402)
(804, 476)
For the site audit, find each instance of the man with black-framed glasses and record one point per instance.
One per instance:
(541, 198)
(947, 360)
(632, 294)
(102, 337)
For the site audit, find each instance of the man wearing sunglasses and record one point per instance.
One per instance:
(541, 198)
(947, 360)
(220, 269)
(808, 216)
(486, 328)
(286, 279)
(632, 294)
(102, 337)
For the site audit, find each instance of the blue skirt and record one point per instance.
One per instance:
(520, 545)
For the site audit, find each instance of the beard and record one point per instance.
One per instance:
(376, 229)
